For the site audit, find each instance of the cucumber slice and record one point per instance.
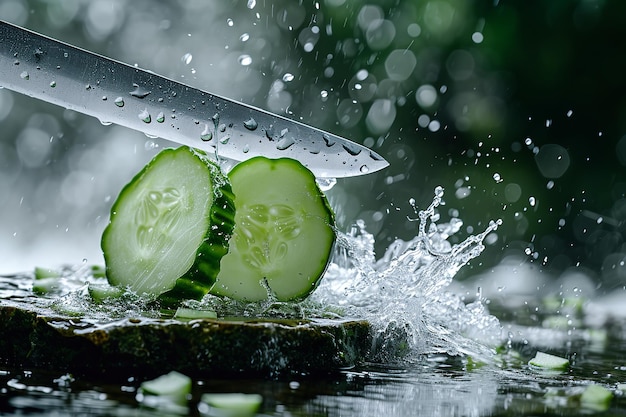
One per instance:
(284, 232)
(170, 227)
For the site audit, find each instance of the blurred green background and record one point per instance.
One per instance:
(516, 108)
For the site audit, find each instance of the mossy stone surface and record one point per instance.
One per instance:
(35, 336)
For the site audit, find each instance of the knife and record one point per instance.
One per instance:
(114, 92)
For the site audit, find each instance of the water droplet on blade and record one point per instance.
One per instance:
(24, 75)
(351, 149)
(139, 91)
(145, 116)
(284, 143)
(224, 139)
(119, 102)
(250, 124)
(53, 84)
(329, 141)
(160, 117)
(364, 169)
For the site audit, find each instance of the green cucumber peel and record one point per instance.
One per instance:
(170, 227)
(284, 233)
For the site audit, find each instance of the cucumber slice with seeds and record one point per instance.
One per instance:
(284, 232)
(170, 227)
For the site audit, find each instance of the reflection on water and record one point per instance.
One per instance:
(438, 385)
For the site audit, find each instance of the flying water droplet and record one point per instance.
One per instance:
(251, 4)
(497, 177)
(288, 77)
(186, 58)
(145, 116)
(244, 60)
(244, 37)
(139, 91)
(25, 75)
(119, 102)
(250, 124)
(230, 22)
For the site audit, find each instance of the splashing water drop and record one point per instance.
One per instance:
(404, 294)
(251, 4)
(288, 77)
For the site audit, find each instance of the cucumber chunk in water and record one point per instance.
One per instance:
(170, 227)
(232, 404)
(283, 236)
(550, 362)
(596, 397)
(173, 386)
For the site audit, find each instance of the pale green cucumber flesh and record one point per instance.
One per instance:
(234, 402)
(169, 227)
(283, 236)
(173, 384)
(544, 360)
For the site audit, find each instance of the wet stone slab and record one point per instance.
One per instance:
(32, 335)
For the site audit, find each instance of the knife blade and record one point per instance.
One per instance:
(114, 92)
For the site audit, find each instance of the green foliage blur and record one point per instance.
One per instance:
(516, 108)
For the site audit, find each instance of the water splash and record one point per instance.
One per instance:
(404, 294)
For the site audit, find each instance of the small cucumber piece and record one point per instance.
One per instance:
(233, 404)
(551, 362)
(190, 313)
(596, 397)
(284, 232)
(173, 385)
(101, 292)
(43, 273)
(170, 227)
(43, 286)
